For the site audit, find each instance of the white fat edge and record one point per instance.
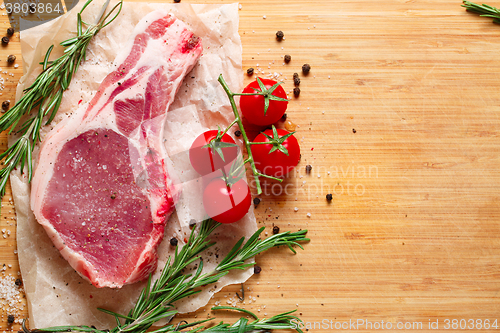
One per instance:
(160, 51)
(125, 52)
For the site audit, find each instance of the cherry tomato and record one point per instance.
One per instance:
(226, 204)
(252, 107)
(276, 163)
(206, 160)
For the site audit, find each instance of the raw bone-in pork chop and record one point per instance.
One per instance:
(101, 188)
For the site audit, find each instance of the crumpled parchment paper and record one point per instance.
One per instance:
(56, 294)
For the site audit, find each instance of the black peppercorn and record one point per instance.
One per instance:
(329, 197)
(256, 201)
(18, 282)
(237, 133)
(177, 1)
(284, 116)
(296, 91)
(10, 319)
(306, 68)
(257, 269)
(173, 241)
(279, 35)
(5, 105)
(10, 31)
(5, 40)
(11, 58)
(250, 71)
(287, 58)
(295, 75)
(276, 230)
(354, 130)
(308, 168)
(296, 81)
(192, 223)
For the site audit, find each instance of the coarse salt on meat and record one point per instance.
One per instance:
(101, 188)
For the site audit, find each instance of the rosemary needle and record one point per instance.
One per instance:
(45, 94)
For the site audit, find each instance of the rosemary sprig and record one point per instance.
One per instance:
(45, 94)
(483, 10)
(282, 321)
(156, 300)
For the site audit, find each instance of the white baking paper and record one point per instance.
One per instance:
(56, 294)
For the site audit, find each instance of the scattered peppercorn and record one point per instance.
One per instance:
(113, 196)
(177, 1)
(329, 197)
(256, 201)
(306, 68)
(308, 168)
(276, 230)
(284, 116)
(250, 71)
(192, 223)
(173, 241)
(280, 35)
(288, 58)
(296, 91)
(5, 40)
(295, 75)
(354, 130)
(237, 133)
(11, 58)
(296, 81)
(5, 105)
(10, 319)
(10, 31)
(257, 269)
(19, 282)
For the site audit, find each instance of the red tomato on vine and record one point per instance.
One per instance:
(268, 106)
(279, 156)
(226, 203)
(211, 151)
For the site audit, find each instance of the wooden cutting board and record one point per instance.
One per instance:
(400, 120)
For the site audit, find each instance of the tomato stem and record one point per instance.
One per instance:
(228, 127)
(237, 120)
(261, 143)
(271, 177)
(249, 94)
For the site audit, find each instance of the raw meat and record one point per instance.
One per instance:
(101, 188)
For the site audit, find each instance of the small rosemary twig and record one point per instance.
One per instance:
(483, 10)
(45, 95)
(282, 321)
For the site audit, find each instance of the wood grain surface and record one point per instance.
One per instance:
(400, 120)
